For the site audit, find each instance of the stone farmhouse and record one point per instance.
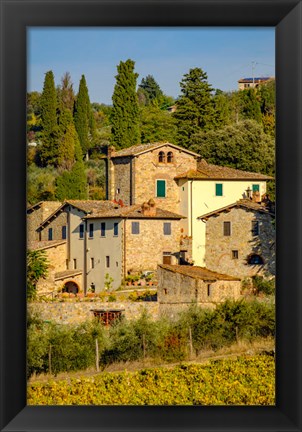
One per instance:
(162, 205)
(105, 240)
(181, 286)
(180, 181)
(240, 239)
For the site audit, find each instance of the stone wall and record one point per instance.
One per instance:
(145, 250)
(56, 225)
(177, 289)
(148, 170)
(56, 257)
(121, 180)
(219, 255)
(77, 312)
(37, 215)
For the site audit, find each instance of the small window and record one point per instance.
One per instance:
(74, 264)
(81, 231)
(256, 188)
(161, 157)
(167, 228)
(170, 157)
(161, 188)
(103, 229)
(255, 228)
(91, 230)
(167, 259)
(165, 291)
(107, 261)
(255, 259)
(67, 264)
(49, 233)
(218, 189)
(116, 264)
(226, 228)
(209, 290)
(115, 229)
(64, 232)
(234, 254)
(92, 263)
(118, 190)
(135, 228)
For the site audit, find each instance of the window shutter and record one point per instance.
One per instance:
(218, 189)
(161, 188)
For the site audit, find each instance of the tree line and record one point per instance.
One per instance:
(235, 129)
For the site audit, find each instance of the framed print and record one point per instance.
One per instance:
(18, 17)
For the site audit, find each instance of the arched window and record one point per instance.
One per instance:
(170, 157)
(161, 157)
(255, 259)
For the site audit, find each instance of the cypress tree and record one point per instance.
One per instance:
(125, 111)
(195, 108)
(83, 117)
(150, 88)
(48, 151)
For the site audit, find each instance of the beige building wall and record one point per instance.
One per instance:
(148, 170)
(76, 244)
(56, 257)
(219, 248)
(176, 291)
(121, 179)
(201, 199)
(145, 250)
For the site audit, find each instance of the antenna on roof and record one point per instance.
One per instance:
(253, 67)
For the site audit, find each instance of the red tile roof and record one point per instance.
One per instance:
(143, 148)
(134, 212)
(197, 272)
(208, 171)
(243, 203)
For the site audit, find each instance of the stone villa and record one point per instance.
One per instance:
(162, 205)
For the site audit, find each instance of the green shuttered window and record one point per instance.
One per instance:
(161, 188)
(218, 190)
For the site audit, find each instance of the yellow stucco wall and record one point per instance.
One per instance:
(199, 197)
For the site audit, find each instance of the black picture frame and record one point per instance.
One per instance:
(16, 16)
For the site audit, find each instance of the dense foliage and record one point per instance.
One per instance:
(166, 340)
(37, 268)
(246, 380)
(234, 129)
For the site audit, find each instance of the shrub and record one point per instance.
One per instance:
(262, 285)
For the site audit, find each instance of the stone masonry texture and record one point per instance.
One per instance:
(219, 255)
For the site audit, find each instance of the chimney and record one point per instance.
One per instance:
(249, 193)
(110, 151)
(256, 197)
(149, 208)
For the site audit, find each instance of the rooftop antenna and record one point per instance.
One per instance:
(253, 67)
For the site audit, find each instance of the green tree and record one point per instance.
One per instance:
(72, 184)
(41, 183)
(242, 146)
(125, 111)
(250, 105)
(150, 88)
(157, 125)
(69, 148)
(195, 108)
(48, 149)
(37, 268)
(83, 118)
(66, 94)
(267, 93)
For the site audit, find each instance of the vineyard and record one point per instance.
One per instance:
(246, 380)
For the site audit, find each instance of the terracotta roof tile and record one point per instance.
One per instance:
(45, 244)
(134, 212)
(67, 273)
(142, 148)
(197, 272)
(243, 203)
(208, 171)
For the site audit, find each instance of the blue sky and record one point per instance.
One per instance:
(225, 54)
